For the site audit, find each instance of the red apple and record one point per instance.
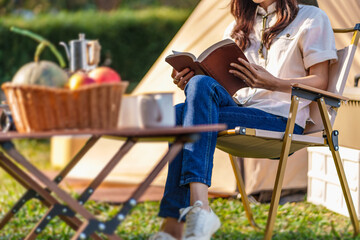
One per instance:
(104, 75)
(79, 79)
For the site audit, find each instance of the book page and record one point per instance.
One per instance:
(210, 49)
(181, 60)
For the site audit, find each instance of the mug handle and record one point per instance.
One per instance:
(149, 107)
(93, 52)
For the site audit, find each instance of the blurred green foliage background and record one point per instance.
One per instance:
(41, 6)
(132, 33)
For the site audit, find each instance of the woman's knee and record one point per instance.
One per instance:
(199, 86)
(200, 82)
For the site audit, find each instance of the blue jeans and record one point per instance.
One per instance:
(207, 102)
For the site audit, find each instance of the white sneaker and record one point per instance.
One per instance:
(200, 223)
(162, 236)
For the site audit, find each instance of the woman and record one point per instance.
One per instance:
(285, 43)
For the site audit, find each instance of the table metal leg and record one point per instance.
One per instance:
(28, 182)
(110, 226)
(58, 209)
(16, 207)
(90, 224)
(30, 194)
(52, 186)
(89, 144)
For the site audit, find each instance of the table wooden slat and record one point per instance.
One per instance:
(121, 132)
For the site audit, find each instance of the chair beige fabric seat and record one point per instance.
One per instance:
(257, 143)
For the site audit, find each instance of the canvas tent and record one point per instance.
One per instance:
(204, 27)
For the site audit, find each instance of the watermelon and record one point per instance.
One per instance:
(44, 73)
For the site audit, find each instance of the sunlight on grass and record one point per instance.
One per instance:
(301, 220)
(295, 220)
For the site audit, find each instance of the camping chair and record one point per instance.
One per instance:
(255, 143)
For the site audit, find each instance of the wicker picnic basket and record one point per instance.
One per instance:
(39, 108)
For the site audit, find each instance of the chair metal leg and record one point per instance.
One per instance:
(244, 197)
(338, 164)
(281, 168)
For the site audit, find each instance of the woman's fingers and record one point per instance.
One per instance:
(173, 73)
(243, 77)
(250, 67)
(185, 79)
(182, 78)
(182, 73)
(179, 75)
(254, 75)
(250, 73)
(241, 71)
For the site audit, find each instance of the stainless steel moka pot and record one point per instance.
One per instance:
(82, 54)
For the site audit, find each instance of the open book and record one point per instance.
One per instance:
(214, 62)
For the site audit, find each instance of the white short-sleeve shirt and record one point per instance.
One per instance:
(308, 40)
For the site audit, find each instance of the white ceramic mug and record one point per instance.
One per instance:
(147, 111)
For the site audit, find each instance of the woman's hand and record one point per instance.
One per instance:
(182, 78)
(254, 75)
(258, 77)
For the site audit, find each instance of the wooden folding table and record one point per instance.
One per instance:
(62, 204)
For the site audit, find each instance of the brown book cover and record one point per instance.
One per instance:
(214, 62)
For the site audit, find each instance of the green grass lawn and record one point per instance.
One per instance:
(301, 220)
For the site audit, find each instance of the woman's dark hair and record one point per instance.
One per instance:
(244, 13)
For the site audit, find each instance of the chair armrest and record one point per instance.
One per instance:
(347, 30)
(319, 91)
(313, 94)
